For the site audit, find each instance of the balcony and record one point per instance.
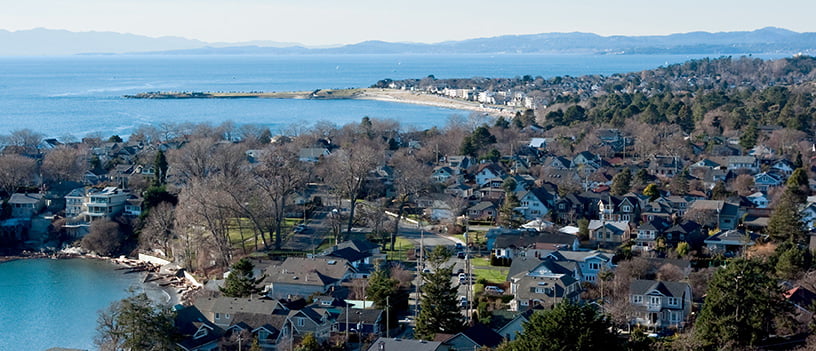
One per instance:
(654, 307)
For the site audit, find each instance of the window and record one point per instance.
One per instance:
(301, 321)
(637, 298)
(674, 316)
(217, 316)
(626, 208)
(654, 300)
(594, 266)
(673, 301)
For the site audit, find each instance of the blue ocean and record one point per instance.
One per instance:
(45, 303)
(79, 95)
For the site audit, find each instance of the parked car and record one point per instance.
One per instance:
(460, 254)
(463, 302)
(459, 246)
(490, 289)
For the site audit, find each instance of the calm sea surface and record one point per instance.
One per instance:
(53, 303)
(47, 303)
(78, 95)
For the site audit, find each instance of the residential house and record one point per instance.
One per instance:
(511, 330)
(730, 242)
(804, 303)
(198, 333)
(303, 276)
(459, 190)
(735, 163)
(476, 337)
(659, 304)
(571, 207)
(534, 203)
(312, 154)
(311, 320)
(557, 162)
(587, 160)
(609, 233)
(26, 205)
(647, 234)
(765, 181)
(90, 204)
(483, 211)
(808, 213)
(715, 213)
(442, 174)
(758, 199)
(398, 344)
(532, 243)
(487, 172)
(590, 263)
(460, 163)
(546, 283)
(665, 166)
(361, 321)
(619, 208)
(685, 231)
(783, 166)
(222, 310)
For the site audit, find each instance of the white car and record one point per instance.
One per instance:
(493, 290)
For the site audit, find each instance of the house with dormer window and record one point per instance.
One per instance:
(765, 181)
(534, 203)
(658, 304)
(488, 172)
(546, 283)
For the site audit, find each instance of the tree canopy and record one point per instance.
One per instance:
(241, 281)
(568, 326)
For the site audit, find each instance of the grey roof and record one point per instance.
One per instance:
(396, 344)
(558, 284)
(233, 305)
(732, 237)
(482, 335)
(670, 289)
(525, 239)
(309, 271)
(18, 198)
(481, 206)
(252, 321)
(356, 315)
(522, 266)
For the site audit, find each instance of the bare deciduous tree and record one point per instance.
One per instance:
(64, 163)
(16, 171)
(158, 228)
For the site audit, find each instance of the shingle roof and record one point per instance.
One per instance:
(396, 344)
(309, 271)
(670, 289)
(483, 335)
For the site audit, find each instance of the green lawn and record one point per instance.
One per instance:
(496, 276)
(402, 247)
(480, 261)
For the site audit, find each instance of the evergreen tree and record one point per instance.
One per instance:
(137, 324)
(241, 281)
(719, 192)
(798, 185)
(568, 326)
(791, 260)
(382, 289)
(785, 223)
(679, 183)
(438, 312)
(502, 122)
(160, 166)
(309, 343)
(621, 182)
(741, 302)
(749, 136)
(508, 216)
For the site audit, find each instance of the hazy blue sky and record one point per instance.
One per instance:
(318, 22)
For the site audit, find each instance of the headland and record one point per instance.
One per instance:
(378, 94)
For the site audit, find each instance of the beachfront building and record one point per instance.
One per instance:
(89, 204)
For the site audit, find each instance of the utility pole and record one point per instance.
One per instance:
(387, 317)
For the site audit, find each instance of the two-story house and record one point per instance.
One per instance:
(590, 263)
(609, 233)
(659, 304)
(715, 213)
(90, 204)
(303, 276)
(487, 172)
(534, 203)
(26, 205)
(546, 283)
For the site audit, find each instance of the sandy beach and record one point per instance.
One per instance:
(419, 98)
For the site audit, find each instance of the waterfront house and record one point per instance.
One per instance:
(659, 304)
(197, 332)
(222, 310)
(26, 205)
(90, 204)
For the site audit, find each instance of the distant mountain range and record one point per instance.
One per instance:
(765, 40)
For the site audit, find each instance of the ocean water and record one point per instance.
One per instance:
(47, 303)
(54, 303)
(78, 95)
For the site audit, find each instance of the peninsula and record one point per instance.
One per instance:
(379, 94)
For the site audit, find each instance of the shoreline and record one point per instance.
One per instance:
(175, 290)
(376, 94)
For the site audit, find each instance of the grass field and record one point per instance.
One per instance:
(497, 275)
(402, 247)
(479, 261)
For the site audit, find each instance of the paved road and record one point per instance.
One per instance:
(310, 238)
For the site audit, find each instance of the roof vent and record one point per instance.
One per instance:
(331, 262)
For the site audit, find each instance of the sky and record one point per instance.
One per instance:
(328, 22)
